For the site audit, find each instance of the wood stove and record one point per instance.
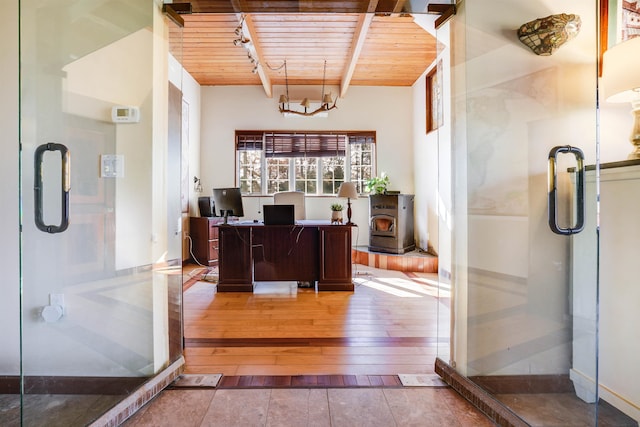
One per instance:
(391, 223)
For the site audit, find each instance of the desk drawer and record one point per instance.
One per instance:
(213, 229)
(213, 249)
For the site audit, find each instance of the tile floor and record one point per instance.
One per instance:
(370, 407)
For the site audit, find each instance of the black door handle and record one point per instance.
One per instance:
(38, 187)
(553, 191)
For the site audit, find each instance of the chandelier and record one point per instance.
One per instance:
(326, 105)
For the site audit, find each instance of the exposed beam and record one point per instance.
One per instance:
(390, 7)
(399, 6)
(446, 12)
(174, 10)
(251, 35)
(236, 5)
(359, 37)
(373, 4)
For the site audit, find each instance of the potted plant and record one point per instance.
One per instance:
(378, 184)
(336, 213)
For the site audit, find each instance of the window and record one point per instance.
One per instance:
(434, 98)
(312, 162)
(362, 155)
(277, 175)
(249, 149)
(306, 175)
(332, 174)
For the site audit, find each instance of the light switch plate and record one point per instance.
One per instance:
(112, 166)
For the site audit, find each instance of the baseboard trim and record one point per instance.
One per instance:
(136, 400)
(524, 384)
(138, 390)
(70, 385)
(478, 397)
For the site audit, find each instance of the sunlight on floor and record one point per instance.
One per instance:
(405, 288)
(391, 288)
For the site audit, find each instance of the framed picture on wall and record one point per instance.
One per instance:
(629, 19)
(619, 21)
(435, 117)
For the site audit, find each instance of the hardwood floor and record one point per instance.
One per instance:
(387, 326)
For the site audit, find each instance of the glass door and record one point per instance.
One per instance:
(100, 214)
(524, 272)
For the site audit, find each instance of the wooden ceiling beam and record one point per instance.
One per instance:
(398, 7)
(373, 4)
(446, 11)
(259, 55)
(359, 36)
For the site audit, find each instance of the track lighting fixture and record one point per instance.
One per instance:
(247, 44)
(241, 41)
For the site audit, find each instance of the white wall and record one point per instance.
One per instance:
(433, 182)
(387, 110)
(93, 97)
(191, 95)
(9, 220)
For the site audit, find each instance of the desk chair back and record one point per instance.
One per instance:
(295, 198)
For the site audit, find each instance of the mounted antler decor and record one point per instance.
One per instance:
(324, 106)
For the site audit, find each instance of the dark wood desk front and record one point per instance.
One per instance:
(307, 252)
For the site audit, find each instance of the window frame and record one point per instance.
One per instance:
(369, 136)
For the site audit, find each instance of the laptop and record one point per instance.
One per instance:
(278, 214)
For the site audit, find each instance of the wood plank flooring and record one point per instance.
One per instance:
(387, 326)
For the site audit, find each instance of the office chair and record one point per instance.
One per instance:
(295, 198)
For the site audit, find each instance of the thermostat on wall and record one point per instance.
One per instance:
(125, 114)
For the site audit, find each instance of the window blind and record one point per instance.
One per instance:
(304, 144)
(301, 144)
(361, 137)
(249, 140)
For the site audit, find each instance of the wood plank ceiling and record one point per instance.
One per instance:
(360, 47)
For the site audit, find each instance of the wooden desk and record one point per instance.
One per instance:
(309, 251)
(204, 235)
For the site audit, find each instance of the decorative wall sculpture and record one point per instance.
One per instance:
(545, 35)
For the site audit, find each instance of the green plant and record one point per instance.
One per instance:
(336, 207)
(378, 184)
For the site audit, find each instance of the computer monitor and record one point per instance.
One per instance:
(228, 202)
(206, 206)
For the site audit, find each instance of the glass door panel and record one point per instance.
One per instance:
(525, 298)
(100, 232)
